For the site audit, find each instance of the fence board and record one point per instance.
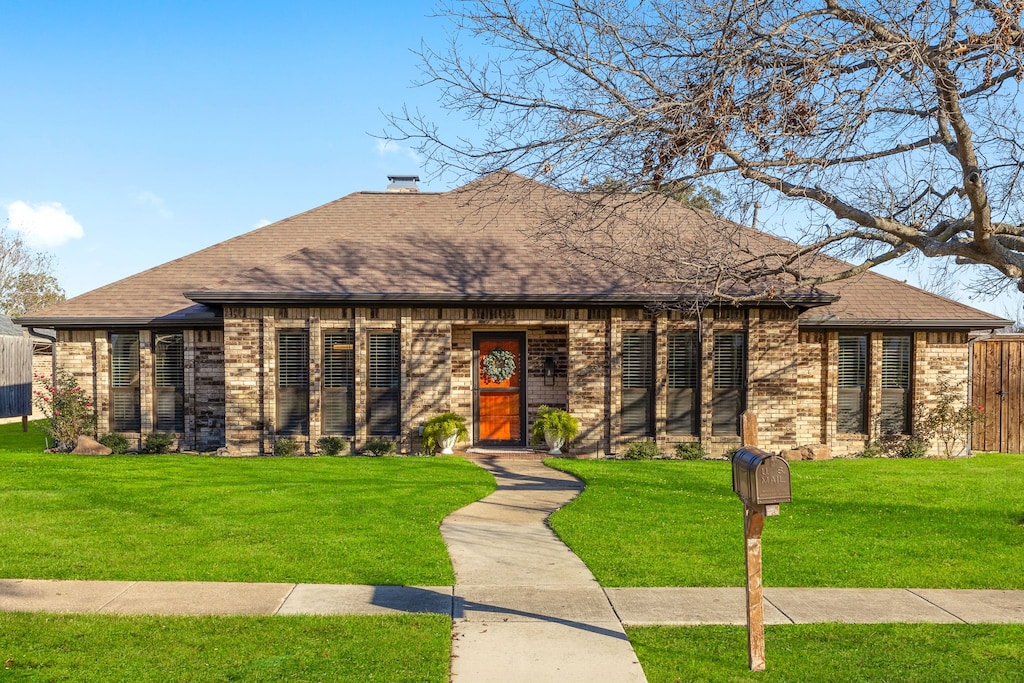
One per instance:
(998, 385)
(15, 376)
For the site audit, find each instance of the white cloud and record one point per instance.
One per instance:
(154, 201)
(45, 225)
(262, 223)
(392, 148)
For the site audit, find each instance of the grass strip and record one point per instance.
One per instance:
(193, 518)
(903, 653)
(60, 647)
(852, 523)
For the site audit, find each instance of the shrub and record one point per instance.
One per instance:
(285, 446)
(117, 443)
(331, 445)
(872, 450)
(731, 453)
(68, 409)
(554, 421)
(379, 446)
(441, 427)
(645, 449)
(950, 419)
(913, 447)
(690, 451)
(157, 443)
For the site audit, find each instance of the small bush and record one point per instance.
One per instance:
(690, 451)
(644, 449)
(331, 445)
(117, 443)
(872, 450)
(379, 446)
(731, 453)
(285, 447)
(157, 443)
(913, 447)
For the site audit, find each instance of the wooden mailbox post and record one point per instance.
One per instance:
(762, 482)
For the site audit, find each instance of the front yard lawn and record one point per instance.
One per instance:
(62, 647)
(852, 523)
(903, 653)
(193, 518)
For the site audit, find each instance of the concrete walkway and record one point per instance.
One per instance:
(530, 609)
(634, 606)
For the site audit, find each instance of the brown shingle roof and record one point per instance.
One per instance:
(463, 245)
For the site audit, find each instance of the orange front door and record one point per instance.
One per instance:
(499, 388)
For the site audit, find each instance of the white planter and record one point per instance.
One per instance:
(554, 443)
(448, 443)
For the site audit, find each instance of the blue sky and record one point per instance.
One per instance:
(162, 128)
(135, 133)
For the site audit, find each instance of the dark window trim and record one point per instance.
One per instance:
(292, 410)
(175, 422)
(338, 385)
(681, 393)
(125, 393)
(850, 423)
(386, 399)
(640, 393)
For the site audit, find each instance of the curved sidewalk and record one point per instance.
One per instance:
(531, 610)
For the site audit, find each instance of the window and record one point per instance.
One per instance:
(383, 384)
(125, 410)
(339, 383)
(637, 384)
(169, 381)
(896, 354)
(853, 384)
(683, 382)
(292, 382)
(729, 395)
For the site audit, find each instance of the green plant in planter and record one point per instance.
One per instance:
(555, 427)
(444, 431)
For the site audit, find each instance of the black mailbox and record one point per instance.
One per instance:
(761, 478)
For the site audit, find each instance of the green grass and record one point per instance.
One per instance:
(192, 518)
(852, 523)
(50, 647)
(903, 653)
(13, 439)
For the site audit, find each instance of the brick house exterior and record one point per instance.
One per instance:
(367, 315)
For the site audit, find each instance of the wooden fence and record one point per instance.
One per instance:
(997, 386)
(15, 376)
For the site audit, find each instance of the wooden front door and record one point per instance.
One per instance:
(499, 388)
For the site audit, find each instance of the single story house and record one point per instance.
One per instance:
(365, 316)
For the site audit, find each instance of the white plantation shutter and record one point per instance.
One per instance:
(853, 382)
(169, 381)
(125, 410)
(896, 363)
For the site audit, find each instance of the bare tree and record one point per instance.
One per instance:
(894, 122)
(27, 282)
